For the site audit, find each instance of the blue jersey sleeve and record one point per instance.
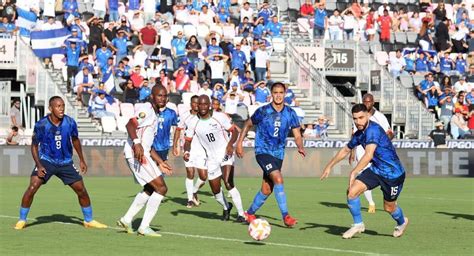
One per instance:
(354, 142)
(257, 116)
(175, 119)
(74, 132)
(37, 135)
(294, 120)
(372, 135)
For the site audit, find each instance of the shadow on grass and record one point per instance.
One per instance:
(338, 205)
(338, 230)
(56, 218)
(255, 243)
(200, 214)
(456, 216)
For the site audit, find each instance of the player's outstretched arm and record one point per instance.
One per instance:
(336, 159)
(176, 147)
(76, 143)
(34, 152)
(132, 126)
(363, 162)
(187, 148)
(164, 166)
(299, 141)
(239, 150)
(230, 145)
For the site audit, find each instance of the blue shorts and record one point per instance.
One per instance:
(67, 173)
(268, 163)
(391, 188)
(163, 154)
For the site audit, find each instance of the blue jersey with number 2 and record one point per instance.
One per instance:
(272, 128)
(55, 144)
(385, 161)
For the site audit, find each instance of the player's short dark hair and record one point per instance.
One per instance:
(52, 99)
(194, 97)
(359, 108)
(14, 128)
(278, 84)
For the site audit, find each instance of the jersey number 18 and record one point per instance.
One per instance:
(210, 137)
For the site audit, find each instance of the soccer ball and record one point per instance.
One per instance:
(259, 229)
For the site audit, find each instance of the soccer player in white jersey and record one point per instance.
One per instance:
(211, 129)
(197, 156)
(142, 160)
(378, 117)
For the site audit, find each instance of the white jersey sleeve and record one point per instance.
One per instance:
(191, 124)
(223, 120)
(145, 115)
(380, 118)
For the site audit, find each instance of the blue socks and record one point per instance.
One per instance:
(257, 202)
(24, 213)
(281, 199)
(354, 208)
(397, 215)
(87, 211)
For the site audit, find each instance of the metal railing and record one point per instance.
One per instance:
(325, 96)
(43, 84)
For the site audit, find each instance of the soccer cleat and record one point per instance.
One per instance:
(399, 230)
(355, 229)
(94, 224)
(249, 217)
(148, 232)
(289, 221)
(190, 204)
(371, 208)
(126, 225)
(226, 213)
(240, 219)
(196, 200)
(20, 224)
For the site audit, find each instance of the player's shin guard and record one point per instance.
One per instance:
(281, 199)
(198, 185)
(189, 188)
(150, 210)
(137, 204)
(87, 212)
(24, 213)
(221, 200)
(258, 201)
(237, 200)
(354, 208)
(397, 215)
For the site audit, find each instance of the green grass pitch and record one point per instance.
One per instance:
(440, 211)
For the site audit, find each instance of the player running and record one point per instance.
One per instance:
(141, 159)
(386, 171)
(379, 118)
(273, 123)
(54, 136)
(212, 130)
(166, 119)
(196, 160)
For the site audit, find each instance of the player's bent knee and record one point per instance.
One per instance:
(389, 206)
(163, 190)
(228, 186)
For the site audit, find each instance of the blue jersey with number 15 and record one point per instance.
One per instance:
(55, 144)
(272, 128)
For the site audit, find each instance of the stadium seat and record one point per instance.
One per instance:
(182, 109)
(215, 28)
(127, 110)
(417, 79)
(58, 61)
(279, 44)
(175, 29)
(189, 30)
(228, 32)
(237, 39)
(202, 30)
(121, 123)
(381, 58)
(138, 106)
(108, 124)
(114, 108)
(406, 80)
(400, 37)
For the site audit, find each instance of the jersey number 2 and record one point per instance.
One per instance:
(275, 132)
(210, 137)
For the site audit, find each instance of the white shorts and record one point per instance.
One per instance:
(146, 172)
(197, 157)
(228, 160)
(214, 170)
(371, 31)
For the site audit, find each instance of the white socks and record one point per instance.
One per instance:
(189, 188)
(151, 209)
(368, 196)
(198, 185)
(237, 200)
(137, 204)
(221, 200)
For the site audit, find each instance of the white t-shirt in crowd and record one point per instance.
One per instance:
(165, 38)
(397, 63)
(99, 5)
(217, 69)
(261, 58)
(244, 13)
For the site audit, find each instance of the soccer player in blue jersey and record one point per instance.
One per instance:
(386, 171)
(273, 123)
(166, 118)
(54, 137)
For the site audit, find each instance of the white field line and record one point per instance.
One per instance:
(413, 197)
(230, 239)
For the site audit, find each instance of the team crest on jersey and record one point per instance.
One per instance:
(268, 166)
(141, 115)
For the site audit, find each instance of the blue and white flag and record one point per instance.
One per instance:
(26, 21)
(407, 51)
(108, 80)
(48, 42)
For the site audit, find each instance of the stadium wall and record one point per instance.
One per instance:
(109, 161)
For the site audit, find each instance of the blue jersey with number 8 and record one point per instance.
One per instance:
(55, 144)
(272, 128)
